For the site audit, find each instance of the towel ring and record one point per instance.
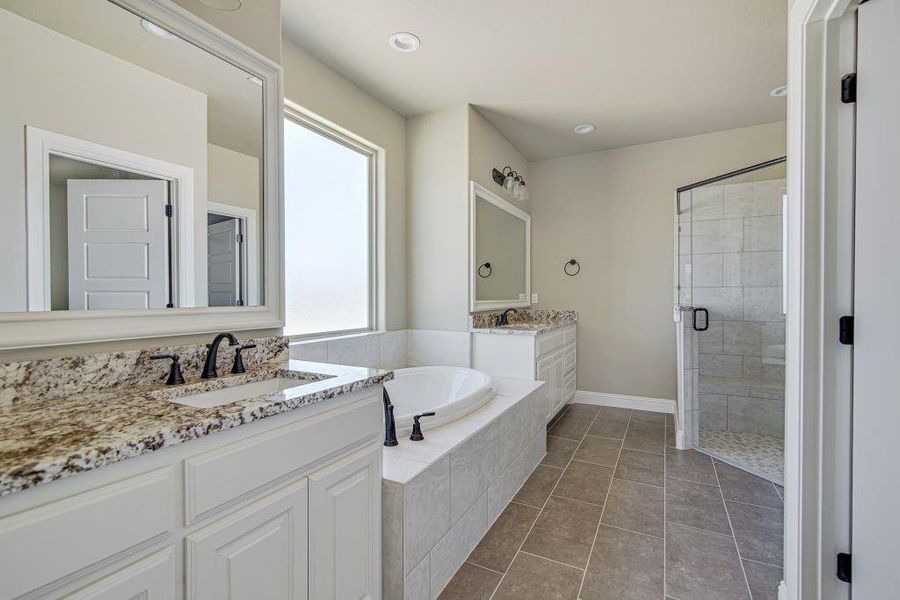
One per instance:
(572, 263)
(487, 266)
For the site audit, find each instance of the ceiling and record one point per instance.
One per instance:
(235, 105)
(640, 70)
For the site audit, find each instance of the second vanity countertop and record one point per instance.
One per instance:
(525, 322)
(43, 440)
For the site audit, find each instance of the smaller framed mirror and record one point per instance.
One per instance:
(499, 252)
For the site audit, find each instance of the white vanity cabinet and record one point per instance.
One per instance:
(547, 356)
(284, 508)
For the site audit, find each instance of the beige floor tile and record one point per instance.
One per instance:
(499, 545)
(564, 532)
(534, 578)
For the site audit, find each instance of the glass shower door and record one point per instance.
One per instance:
(731, 297)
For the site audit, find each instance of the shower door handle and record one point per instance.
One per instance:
(705, 319)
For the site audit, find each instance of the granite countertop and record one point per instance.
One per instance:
(526, 322)
(42, 440)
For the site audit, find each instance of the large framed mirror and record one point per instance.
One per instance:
(140, 175)
(500, 252)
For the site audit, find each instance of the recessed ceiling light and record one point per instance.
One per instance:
(154, 29)
(779, 92)
(584, 128)
(404, 41)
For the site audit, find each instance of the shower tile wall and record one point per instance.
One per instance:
(731, 261)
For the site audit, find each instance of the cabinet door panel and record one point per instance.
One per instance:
(545, 373)
(151, 578)
(559, 385)
(345, 528)
(257, 553)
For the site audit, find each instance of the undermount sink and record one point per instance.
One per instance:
(236, 393)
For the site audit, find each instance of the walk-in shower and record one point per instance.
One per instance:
(729, 307)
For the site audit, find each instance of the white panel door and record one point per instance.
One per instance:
(345, 528)
(876, 348)
(257, 553)
(117, 244)
(151, 578)
(224, 262)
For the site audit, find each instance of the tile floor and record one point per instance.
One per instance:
(616, 512)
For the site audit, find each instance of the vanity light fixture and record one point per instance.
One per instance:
(404, 41)
(154, 29)
(512, 182)
(779, 92)
(584, 129)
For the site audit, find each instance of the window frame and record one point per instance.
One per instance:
(316, 124)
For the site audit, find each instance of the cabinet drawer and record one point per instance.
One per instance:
(214, 479)
(569, 335)
(548, 342)
(62, 540)
(570, 358)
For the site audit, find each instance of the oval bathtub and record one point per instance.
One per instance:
(450, 392)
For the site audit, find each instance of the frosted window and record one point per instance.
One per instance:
(327, 200)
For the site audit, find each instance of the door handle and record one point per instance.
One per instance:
(705, 319)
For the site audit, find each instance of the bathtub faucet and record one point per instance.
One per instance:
(390, 428)
(416, 434)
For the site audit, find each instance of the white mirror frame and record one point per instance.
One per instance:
(34, 329)
(478, 191)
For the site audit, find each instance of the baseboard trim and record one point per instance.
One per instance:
(662, 405)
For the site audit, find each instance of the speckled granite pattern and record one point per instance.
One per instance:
(96, 372)
(525, 322)
(42, 439)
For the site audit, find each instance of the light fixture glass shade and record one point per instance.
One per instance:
(510, 182)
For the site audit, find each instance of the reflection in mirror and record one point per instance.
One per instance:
(130, 165)
(501, 253)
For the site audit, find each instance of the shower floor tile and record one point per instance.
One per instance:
(594, 533)
(762, 454)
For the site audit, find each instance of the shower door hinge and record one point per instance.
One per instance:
(844, 564)
(845, 330)
(848, 88)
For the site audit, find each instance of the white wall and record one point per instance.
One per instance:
(323, 92)
(614, 212)
(488, 149)
(56, 81)
(438, 220)
(447, 149)
(234, 178)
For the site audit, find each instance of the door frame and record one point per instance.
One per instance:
(39, 145)
(250, 262)
(821, 49)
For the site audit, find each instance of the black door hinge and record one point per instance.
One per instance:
(844, 565)
(169, 210)
(848, 88)
(845, 330)
(239, 238)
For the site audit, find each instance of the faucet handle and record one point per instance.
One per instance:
(175, 376)
(239, 360)
(416, 434)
